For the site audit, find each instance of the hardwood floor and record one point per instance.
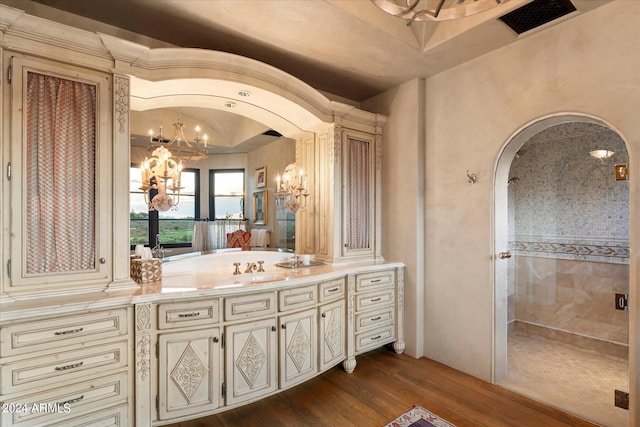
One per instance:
(383, 386)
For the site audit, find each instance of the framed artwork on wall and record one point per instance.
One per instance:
(260, 208)
(261, 177)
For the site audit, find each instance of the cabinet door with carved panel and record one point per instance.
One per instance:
(251, 358)
(298, 348)
(190, 373)
(332, 334)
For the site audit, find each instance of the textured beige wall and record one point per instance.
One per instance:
(585, 65)
(403, 197)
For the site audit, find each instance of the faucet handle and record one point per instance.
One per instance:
(236, 264)
(260, 267)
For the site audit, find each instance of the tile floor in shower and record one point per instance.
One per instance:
(568, 377)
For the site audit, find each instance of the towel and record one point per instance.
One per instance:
(259, 238)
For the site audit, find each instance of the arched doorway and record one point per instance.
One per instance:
(564, 219)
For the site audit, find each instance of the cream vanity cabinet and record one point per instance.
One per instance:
(222, 352)
(332, 329)
(251, 353)
(298, 336)
(69, 370)
(189, 350)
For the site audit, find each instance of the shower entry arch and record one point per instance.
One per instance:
(502, 180)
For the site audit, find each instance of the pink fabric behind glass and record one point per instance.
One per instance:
(60, 175)
(359, 188)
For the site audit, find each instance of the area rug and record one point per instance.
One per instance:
(419, 417)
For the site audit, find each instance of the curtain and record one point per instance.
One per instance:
(209, 235)
(359, 188)
(60, 175)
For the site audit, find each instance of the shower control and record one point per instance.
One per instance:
(504, 255)
(622, 302)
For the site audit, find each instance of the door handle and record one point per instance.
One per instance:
(504, 255)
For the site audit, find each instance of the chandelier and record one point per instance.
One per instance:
(435, 10)
(291, 189)
(162, 169)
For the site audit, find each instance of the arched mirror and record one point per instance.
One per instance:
(232, 188)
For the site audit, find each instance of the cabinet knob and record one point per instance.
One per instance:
(324, 315)
(103, 260)
(273, 328)
(284, 326)
(215, 339)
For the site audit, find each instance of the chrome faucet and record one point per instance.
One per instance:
(251, 267)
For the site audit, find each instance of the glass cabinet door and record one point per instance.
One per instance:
(358, 197)
(59, 208)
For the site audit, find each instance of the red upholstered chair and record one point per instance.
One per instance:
(239, 239)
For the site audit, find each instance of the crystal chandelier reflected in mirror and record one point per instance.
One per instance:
(291, 189)
(162, 169)
(435, 10)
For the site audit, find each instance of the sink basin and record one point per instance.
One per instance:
(260, 278)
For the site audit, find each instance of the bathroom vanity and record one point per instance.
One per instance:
(201, 341)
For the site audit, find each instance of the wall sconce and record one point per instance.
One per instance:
(601, 154)
(291, 189)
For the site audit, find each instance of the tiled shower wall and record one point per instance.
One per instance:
(569, 232)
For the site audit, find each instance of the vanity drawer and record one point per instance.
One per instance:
(191, 313)
(372, 300)
(47, 370)
(331, 290)
(111, 417)
(374, 338)
(49, 334)
(291, 299)
(249, 306)
(374, 318)
(61, 404)
(378, 279)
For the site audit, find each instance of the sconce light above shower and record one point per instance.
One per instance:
(601, 155)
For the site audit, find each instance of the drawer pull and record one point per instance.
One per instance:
(64, 368)
(71, 401)
(69, 331)
(377, 337)
(376, 280)
(376, 299)
(333, 290)
(376, 318)
(196, 314)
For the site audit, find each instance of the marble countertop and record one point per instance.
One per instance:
(193, 277)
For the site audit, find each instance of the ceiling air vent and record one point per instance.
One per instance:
(536, 13)
(272, 132)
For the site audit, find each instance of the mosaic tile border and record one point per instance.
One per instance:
(612, 251)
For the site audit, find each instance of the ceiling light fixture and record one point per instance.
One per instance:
(435, 10)
(161, 171)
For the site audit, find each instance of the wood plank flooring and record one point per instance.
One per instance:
(383, 386)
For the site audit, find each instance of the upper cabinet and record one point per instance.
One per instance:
(60, 176)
